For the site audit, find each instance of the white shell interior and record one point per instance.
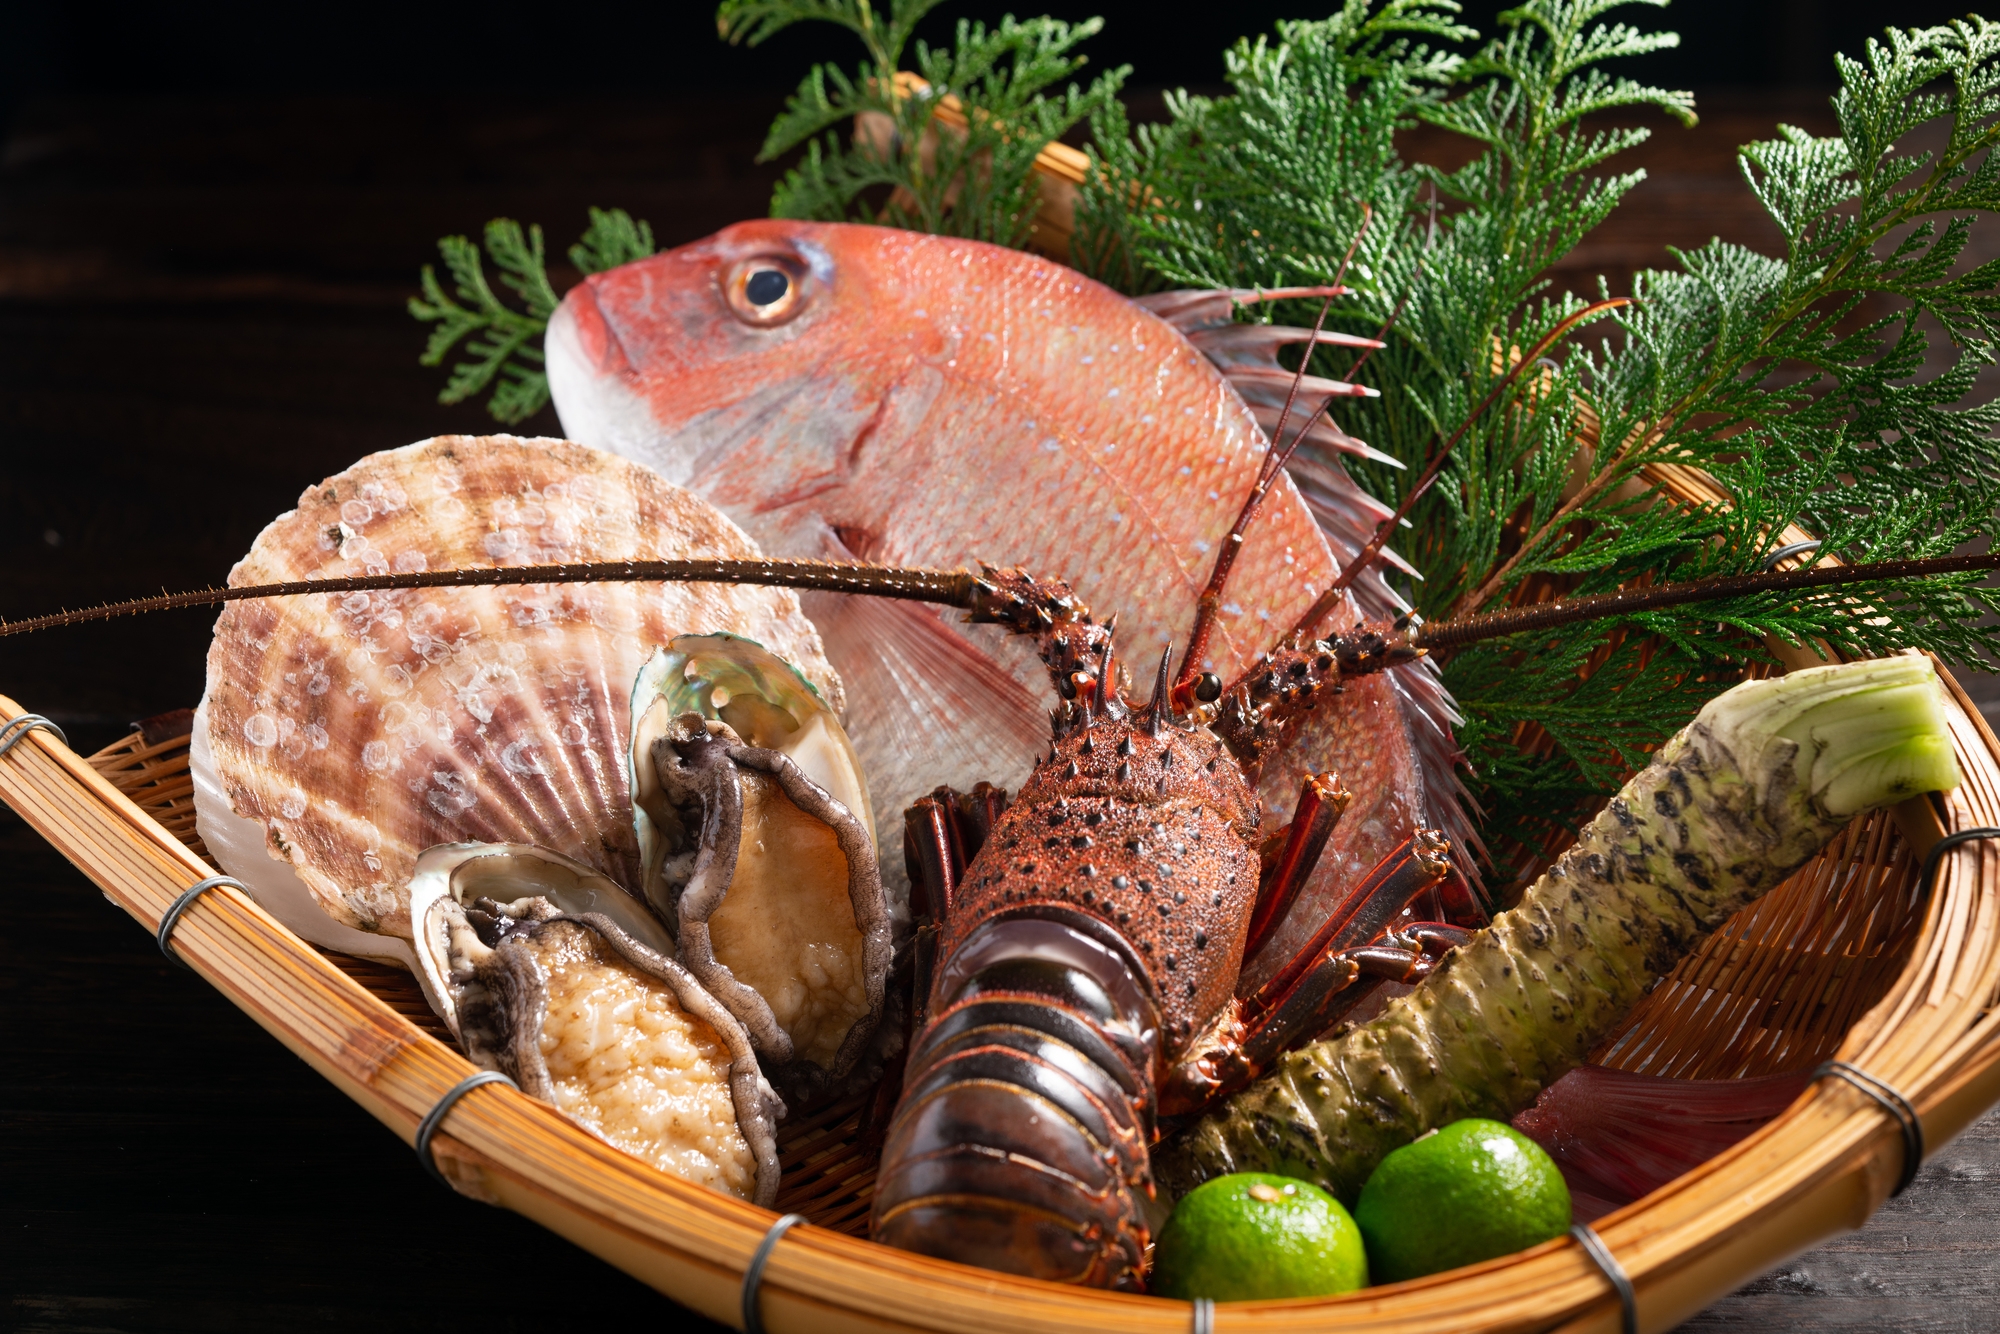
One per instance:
(242, 848)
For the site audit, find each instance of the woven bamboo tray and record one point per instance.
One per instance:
(1848, 958)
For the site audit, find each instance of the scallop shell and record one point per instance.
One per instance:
(343, 734)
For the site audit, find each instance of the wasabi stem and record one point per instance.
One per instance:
(1763, 778)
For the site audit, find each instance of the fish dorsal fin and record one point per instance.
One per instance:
(1247, 356)
(1190, 309)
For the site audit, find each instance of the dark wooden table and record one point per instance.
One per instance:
(201, 314)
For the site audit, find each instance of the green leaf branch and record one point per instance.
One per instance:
(1828, 387)
(502, 343)
(1011, 89)
(1822, 388)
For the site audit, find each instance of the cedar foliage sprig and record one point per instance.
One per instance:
(900, 166)
(1807, 386)
(504, 342)
(1810, 386)
(1268, 185)
(1782, 378)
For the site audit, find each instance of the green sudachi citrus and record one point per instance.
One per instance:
(1474, 1190)
(1253, 1235)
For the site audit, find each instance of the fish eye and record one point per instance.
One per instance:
(765, 291)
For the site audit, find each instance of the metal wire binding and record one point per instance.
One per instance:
(428, 1127)
(1600, 1255)
(26, 723)
(1894, 1103)
(1204, 1315)
(753, 1274)
(1770, 562)
(183, 903)
(1888, 1095)
(1927, 876)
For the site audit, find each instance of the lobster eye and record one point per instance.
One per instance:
(765, 291)
(1209, 688)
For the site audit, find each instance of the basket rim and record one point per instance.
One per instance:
(1823, 1164)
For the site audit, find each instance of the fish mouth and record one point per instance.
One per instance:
(585, 329)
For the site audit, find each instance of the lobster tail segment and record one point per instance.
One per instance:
(1020, 1143)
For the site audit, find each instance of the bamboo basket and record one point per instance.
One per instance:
(1848, 958)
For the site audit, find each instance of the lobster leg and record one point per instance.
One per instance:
(1328, 993)
(1336, 971)
(934, 855)
(1297, 849)
(1324, 996)
(1434, 938)
(1458, 904)
(1368, 910)
(941, 833)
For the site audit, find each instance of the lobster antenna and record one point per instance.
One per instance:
(972, 592)
(1632, 601)
(1209, 604)
(951, 588)
(1312, 344)
(1409, 290)
(1327, 601)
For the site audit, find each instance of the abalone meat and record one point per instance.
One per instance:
(549, 973)
(757, 851)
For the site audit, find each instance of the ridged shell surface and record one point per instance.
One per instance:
(359, 729)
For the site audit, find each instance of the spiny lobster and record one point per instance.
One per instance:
(1078, 964)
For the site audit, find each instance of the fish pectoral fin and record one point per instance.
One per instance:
(925, 706)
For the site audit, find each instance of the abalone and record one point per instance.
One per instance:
(549, 973)
(758, 853)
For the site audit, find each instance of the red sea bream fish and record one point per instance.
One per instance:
(859, 392)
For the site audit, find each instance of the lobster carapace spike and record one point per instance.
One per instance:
(1160, 708)
(1106, 668)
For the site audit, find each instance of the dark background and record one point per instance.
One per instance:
(210, 218)
(530, 53)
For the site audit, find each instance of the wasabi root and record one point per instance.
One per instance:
(1765, 776)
